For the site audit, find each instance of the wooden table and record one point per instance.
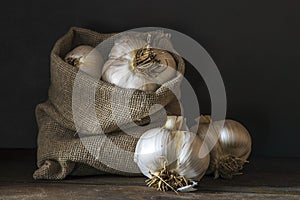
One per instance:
(263, 178)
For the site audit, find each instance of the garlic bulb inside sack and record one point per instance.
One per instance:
(133, 63)
(88, 59)
(229, 155)
(170, 156)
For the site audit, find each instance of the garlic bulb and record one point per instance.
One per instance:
(170, 156)
(232, 149)
(134, 64)
(87, 59)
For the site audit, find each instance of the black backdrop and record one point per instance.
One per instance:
(255, 44)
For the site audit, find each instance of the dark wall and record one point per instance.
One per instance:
(255, 44)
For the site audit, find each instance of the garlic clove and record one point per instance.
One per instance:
(145, 68)
(192, 160)
(235, 139)
(171, 157)
(232, 149)
(118, 72)
(152, 151)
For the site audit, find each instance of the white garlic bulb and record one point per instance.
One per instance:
(134, 64)
(232, 149)
(88, 59)
(171, 154)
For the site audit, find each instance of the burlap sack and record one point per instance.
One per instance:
(61, 151)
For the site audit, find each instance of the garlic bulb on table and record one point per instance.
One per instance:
(88, 59)
(229, 155)
(170, 156)
(133, 63)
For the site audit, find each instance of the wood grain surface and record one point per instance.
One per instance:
(263, 178)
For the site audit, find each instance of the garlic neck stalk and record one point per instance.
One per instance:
(175, 123)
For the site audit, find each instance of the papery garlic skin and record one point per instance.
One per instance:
(192, 163)
(125, 45)
(122, 69)
(179, 150)
(235, 139)
(232, 149)
(87, 58)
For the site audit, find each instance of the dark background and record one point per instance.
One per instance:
(255, 45)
